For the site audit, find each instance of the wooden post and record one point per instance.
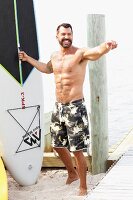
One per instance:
(98, 96)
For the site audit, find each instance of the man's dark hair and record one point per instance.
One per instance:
(65, 25)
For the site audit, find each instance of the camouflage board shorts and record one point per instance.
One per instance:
(69, 125)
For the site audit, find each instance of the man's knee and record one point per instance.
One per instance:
(59, 149)
(78, 153)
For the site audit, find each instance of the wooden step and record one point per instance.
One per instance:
(50, 159)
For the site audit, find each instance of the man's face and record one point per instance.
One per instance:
(65, 37)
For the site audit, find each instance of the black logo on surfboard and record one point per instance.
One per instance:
(27, 127)
(17, 27)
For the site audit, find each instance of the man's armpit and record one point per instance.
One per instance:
(49, 67)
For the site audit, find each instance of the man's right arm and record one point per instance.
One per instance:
(42, 67)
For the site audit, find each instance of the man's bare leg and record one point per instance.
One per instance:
(65, 156)
(82, 170)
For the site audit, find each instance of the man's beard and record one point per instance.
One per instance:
(65, 45)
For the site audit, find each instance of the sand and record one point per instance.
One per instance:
(51, 186)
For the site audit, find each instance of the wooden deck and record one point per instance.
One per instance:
(118, 181)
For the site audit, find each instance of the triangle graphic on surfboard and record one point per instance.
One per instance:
(28, 122)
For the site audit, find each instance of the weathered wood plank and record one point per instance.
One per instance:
(118, 182)
(122, 147)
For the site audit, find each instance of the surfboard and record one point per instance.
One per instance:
(21, 88)
(3, 182)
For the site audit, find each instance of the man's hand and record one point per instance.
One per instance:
(22, 56)
(111, 44)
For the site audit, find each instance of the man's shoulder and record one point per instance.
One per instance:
(55, 53)
(80, 51)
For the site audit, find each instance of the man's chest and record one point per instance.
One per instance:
(64, 63)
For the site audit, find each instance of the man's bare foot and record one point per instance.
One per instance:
(71, 178)
(82, 192)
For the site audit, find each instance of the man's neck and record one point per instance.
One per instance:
(66, 51)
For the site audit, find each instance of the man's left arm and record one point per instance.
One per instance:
(96, 52)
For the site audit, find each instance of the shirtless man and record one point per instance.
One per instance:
(69, 122)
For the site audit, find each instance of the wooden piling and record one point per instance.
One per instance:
(98, 95)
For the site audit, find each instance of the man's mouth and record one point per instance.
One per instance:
(67, 41)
